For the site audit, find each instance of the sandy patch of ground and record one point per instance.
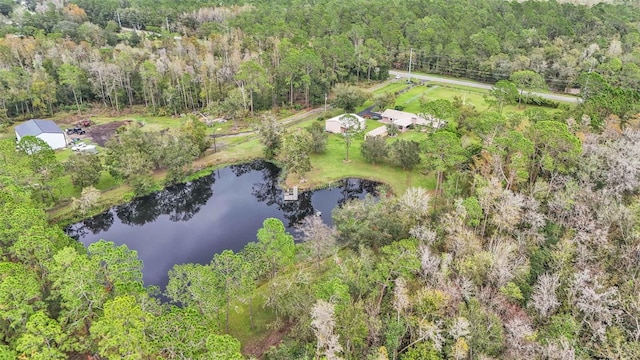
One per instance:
(100, 134)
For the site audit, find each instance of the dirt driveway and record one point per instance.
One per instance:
(100, 134)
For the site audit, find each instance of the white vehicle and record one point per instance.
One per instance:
(89, 149)
(78, 146)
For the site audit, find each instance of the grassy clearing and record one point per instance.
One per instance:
(479, 82)
(432, 90)
(330, 167)
(410, 100)
(392, 87)
(240, 321)
(159, 123)
(240, 150)
(65, 213)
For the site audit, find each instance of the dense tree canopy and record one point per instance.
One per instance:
(530, 253)
(233, 56)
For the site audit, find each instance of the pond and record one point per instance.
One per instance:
(189, 223)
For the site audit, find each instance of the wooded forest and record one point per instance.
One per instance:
(179, 56)
(527, 248)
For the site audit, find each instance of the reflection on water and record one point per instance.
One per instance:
(191, 222)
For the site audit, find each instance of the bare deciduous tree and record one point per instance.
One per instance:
(507, 263)
(430, 264)
(323, 324)
(597, 303)
(544, 298)
(424, 234)
(400, 297)
(459, 328)
(431, 331)
(88, 199)
(415, 201)
(319, 238)
(519, 331)
(461, 239)
(559, 350)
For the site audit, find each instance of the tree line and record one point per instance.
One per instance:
(232, 58)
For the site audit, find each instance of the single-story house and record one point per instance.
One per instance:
(45, 130)
(379, 131)
(403, 120)
(338, 125)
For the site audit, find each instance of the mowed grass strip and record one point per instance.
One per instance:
(392, 88)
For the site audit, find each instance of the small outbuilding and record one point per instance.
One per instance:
(379, 131)
(45, 130)
(337, 125)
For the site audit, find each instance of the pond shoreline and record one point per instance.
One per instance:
(122, 194)
(220, 211)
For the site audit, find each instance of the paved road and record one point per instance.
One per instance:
(555, 97)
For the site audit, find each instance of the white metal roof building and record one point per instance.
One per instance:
(337, 125)
(46, 130)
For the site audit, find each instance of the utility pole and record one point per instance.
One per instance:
(410, 62)
(325, 103)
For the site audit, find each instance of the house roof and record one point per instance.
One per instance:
(37, 127)
(378, 131)
(404, 119)
(401, 118)
(403, 122)
(341, 121)
(397, 114)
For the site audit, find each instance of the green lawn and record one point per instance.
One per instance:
(240, 321)
(392, 87)
(330, 167)
(67, 190)
(410, 100)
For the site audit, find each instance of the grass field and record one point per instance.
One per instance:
(392, 87)
(410, 99)
(331, 165)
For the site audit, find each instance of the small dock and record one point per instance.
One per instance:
(291, 195)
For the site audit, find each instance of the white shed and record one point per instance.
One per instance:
(45, 130)
(337, 124)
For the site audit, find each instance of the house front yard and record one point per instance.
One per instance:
(331, 165)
